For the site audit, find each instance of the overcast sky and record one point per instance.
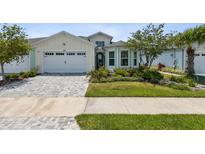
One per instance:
(119, 31)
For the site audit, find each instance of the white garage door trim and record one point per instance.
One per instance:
(65, 61)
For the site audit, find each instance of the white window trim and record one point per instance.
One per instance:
(124, 58)
(111, 58)
(134, 58)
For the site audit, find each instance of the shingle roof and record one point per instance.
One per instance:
(84, 37)
(116, 44)
(33, 40)
(100, 33)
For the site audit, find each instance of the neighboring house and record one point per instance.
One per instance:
(66, 53)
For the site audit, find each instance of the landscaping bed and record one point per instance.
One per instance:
(14, 77)
(141, 122)
(141, 82)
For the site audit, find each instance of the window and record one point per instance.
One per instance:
(100, 43)
(111, 58)
(203, 54)
(81, 53)
(135, 58)
(71, 53)
(49, 53)
(124, 58)
(197, 54)
(59, 54)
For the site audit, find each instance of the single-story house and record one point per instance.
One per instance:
(66, 53)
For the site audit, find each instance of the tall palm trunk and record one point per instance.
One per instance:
(190, 61)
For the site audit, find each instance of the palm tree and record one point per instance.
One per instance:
(187, 38)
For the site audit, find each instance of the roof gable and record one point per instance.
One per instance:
(60, 33)
(100, 33)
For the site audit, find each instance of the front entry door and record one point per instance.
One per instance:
(100, 60)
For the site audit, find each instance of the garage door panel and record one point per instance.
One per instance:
(199, 63)
(67, 62)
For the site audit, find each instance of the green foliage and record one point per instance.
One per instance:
(14, 45)
(12, 76)
(32, 73)
(191, 83)
(150, 41)
(132, 71)
(152, 75)
(122, 72)
(185, 79)
(179, 86)
(186, 40)
(96, 75)
(178, 79)
(25, 75)
(21, 75)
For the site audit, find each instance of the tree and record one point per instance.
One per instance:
(151, 41)
(14, 45)
(186, 40)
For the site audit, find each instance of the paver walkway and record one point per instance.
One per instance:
(34, 123)
(58, 113)
(47, 85)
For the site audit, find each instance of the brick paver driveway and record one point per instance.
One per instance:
(50, 85)
(38, 123)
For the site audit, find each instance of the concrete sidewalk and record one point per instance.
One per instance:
(72, 106)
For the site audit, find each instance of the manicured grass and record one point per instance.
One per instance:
(140, 89)
(141, 122)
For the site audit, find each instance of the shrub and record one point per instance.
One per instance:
(152, 75)
(14, 76)
(131, 71)
(8, 76)
(21, 73)
(122, 72)
(178, 79)
(191, 83)
(155, 81)
(117, 75)
(32, 73)
(98, 74)
(141, 68)
(179, 86)
(25, 75)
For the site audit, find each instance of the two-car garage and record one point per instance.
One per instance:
(64, 53)
(65, 62)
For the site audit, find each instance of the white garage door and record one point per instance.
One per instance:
(199, 63)
(64, 62)
(15, 67)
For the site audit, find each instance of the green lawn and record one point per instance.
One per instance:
(139, 89)
(141, 122)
